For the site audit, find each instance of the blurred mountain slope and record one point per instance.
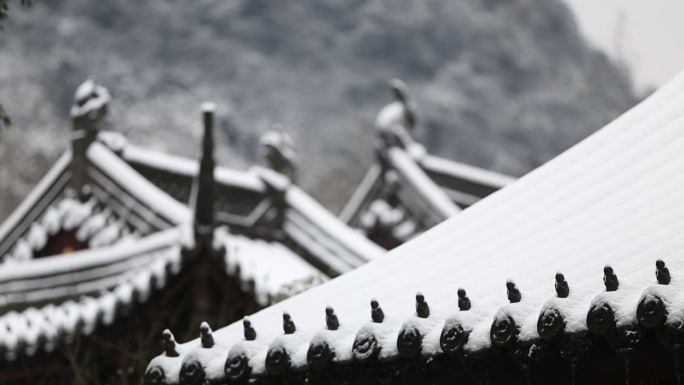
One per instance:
(503, 84)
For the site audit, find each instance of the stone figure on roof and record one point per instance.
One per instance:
(277, 150)
(398, 119)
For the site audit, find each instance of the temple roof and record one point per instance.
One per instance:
(247, 200)
(408, 190)
(112, 222)
(587, 246)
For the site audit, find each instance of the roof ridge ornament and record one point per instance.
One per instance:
(169, 344)
(206, 336)
(561, 285)
(463, 300)
(331, 320)
(277, 150)
(610, 280)
(422, 308)
(396, 120)
(249, 331)
(377, 315)
(288, 325)
(204, 192)
(662, 273)
(512, 292)
(88, 112)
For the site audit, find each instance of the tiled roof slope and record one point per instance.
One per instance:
(614, 200)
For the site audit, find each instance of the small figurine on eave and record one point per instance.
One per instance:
(422, 308)
(206, 336)
(288, 324)
(662, 273)
(610, 279)
(396, 120)
(331, 320)
(562, 288)
(250, 333)
(513, 293)
(377, 315)
(463, 300)
(168, 342)
(277, 150)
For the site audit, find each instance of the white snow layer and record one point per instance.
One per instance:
(270, 266)
(614, 199)
(430, 194)
(104, 280)
(67, 214)
(190, 167)
(137, 185)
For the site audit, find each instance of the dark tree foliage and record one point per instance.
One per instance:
(5, 120)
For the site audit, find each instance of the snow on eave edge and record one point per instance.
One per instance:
(36, 193)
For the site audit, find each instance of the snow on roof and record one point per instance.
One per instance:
(270, 267)
(31, 207)
(614, 199)
(341, 246)
(430, 195)
(142, 189)
(189, 167)
(94, 226)
(56, 298)
(37, 303)
(428, 188)
(314, 228)
(464, 171)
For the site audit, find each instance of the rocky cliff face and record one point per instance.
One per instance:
(504, 84)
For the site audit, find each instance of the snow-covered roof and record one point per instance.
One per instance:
(408, 190)
(133, 229)
(425, 188)
(33, 206)
(246, 198)
(600, 214)
(122, 203)
(56, 297)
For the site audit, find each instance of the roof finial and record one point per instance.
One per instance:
(422, 308)
(277, 150)
(204, 185)
(662, 273)
(400, 91)
(88, 112)
(377, 315)
(463, 300)
(288, 324)
(250, 333)
(610, 279)
(331, 320)
(512, 291)
(397, 119)
(206, 336)
(562, 288)
(168, 343)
